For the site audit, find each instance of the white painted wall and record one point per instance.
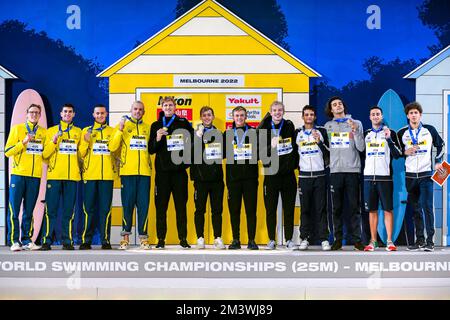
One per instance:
(2, 162)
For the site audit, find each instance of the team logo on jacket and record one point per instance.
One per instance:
(49, 186)
(13, 185)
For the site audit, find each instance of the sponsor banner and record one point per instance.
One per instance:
(181, 112)
(243, 100)
(180, 100)
(138, 264)
(229, 124)
(208, 81)
(253, 114)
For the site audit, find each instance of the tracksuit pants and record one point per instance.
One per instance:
(342, 184)
(247, 189)
(24, 189)
(66, 190)
(215, 191)
(420, 197)
(135, 192)
(313, 202)
(167, 183)
(97, 193)
(273, 186)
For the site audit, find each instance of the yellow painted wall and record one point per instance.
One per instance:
(290, 83)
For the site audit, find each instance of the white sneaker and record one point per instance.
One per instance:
(31, 246)
(290, 244)
(326, 245)
(271, 245)
(304, 244)
(16, 247)
(145, 245)
(200, 243)
(218, 243)
(123, 245)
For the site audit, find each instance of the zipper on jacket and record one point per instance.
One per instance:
(32, 168)
(68, 172)
(101, 135)
(139, 151)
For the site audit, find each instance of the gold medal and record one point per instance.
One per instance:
(165, 128)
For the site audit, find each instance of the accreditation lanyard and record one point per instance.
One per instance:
(274, 131)
(414, 139)
(240, 142)
(31, 132)
(167, 125)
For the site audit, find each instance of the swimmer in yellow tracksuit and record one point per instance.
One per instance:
(132, 134)
(25, 145)
(61, 150)
(98, 176)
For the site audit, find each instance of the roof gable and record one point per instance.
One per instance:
(429, 64)
(5, 74)
(211, 13)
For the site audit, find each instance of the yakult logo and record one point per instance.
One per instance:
(245, 101)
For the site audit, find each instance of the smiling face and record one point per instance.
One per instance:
(137, 110)
(169, 108)
(414, 116)
(100, 114)
(67, 114)
(33, 114)
(337, 108)
(239, 118)
(277, 112)
(207, 118)
(376, 117)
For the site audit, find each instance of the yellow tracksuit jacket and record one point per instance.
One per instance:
(63, 157)
(97, 154)
(134, 156)
(27, 160)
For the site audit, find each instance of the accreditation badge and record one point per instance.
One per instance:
(213, 151)
(175, 142)
(68, 146)
(138, 143)
(284, 146)
(243, 152)
(376, 149)
(340, 140)
(35, 147)
(100, 148)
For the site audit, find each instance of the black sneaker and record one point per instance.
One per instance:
(68, 247)
(429, 247)
(252, 245)
(184, 244)
(337, 245)
(416, 246)
(45, 247)
(161, 244)
(236, 244)
(358, 246)
(106, 246)
(84, 246)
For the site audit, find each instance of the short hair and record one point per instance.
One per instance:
(205, 109)
(309, 107)
(99, 106)
(413, 105)
(277, 103)
(239, 108)
(328, 106)
(34, 106)
(376, 107)
(68, 105)
(167, 98)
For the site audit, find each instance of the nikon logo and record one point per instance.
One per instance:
(179, 101)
